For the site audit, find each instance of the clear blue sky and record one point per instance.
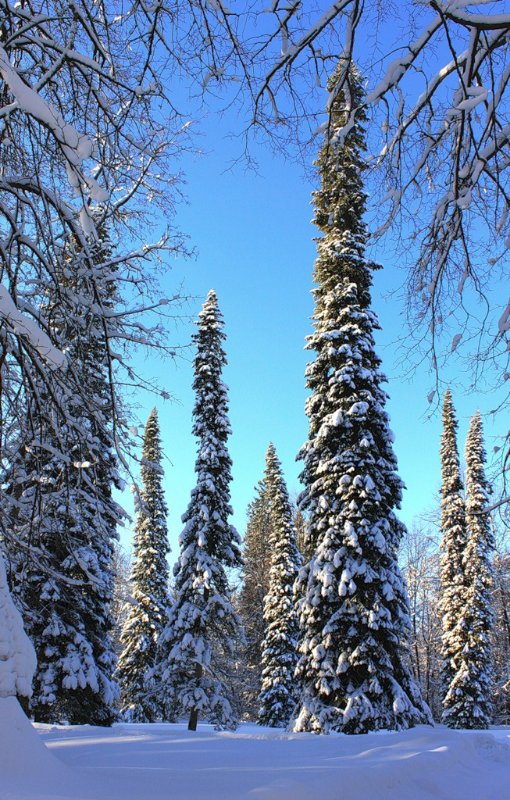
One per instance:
(255, 248)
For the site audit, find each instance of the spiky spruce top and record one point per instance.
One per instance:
(149, 576)
(354, 612)
(453, 545)
(468, 703)
(203, 626)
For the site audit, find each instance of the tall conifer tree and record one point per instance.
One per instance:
(468, 701)
(279, 648)
(354, 617)
(149, 576)
(203, 626)
(61, 486)
(453, 545)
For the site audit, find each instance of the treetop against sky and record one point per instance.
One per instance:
(254, 241)
(255, 246)
(438, 132)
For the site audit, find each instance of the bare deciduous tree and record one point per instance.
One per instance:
(420, 557)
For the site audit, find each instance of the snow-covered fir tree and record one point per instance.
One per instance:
(18, 661)
(353, 668)
(277, 697)
(150, 600)
(501, 637)
(203, 628)
(479, 578)
(453, 546)
(255, 585)
(468, 700)
(62, 510)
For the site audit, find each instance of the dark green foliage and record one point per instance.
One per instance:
(468, 702)
(354, 618)
(256, 565)
(149, 577)
(453, 545)
(278, 693)
(61, 509)
(203, 630)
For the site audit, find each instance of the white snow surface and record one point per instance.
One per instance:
(17, 655)
(167, 762)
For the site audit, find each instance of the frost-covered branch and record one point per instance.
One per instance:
(438, 140)
(86, 141)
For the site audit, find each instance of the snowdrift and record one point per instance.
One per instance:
(166, 762)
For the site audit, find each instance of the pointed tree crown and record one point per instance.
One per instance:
(203, 628)
(354, 608)
(149, 577)
(278, 693)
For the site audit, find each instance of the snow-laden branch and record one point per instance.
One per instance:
(437, 113)
(29, 329)
(489, 509)
(455, 11)
(76, 147)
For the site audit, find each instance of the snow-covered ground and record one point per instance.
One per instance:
(156, 762)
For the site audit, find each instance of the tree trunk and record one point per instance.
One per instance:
(193, 717)
(199, 671)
